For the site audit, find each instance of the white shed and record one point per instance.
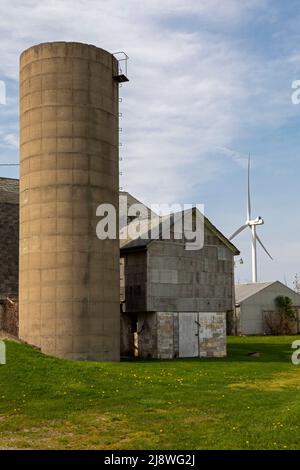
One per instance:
(253, 301)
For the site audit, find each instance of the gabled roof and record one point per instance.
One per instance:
(9, 190)
(221, 237)
(245, 291)
(157, 223)
(129, 200)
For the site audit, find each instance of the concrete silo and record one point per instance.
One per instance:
(69, 279)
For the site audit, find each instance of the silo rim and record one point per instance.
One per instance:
(64, 42)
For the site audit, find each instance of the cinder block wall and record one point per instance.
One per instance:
(147, 335)
(212, 334)
(127, 338)
(9, 249)
(168, 278)
(134, 281)
(179, 280)
(69, 279)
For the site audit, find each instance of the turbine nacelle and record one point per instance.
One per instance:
(258, 221)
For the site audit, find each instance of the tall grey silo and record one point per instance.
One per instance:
(69, 279)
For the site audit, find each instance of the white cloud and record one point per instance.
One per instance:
(10, 140)
(192, 90)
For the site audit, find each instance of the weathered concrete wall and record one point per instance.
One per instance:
(122, 280)
(69, 279)
(190, 281)
(165, 335)
(127, 338)
(212, 334)
(169, 278)
(9, 249)
(9, 316)
(232, 322)
(134, 281)
(147, 335)
(159, 334)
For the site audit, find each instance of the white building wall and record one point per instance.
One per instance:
(251, 309)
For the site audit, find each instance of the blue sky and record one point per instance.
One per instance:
(210, 82)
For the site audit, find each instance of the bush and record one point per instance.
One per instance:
(285, 306)
(282, 320)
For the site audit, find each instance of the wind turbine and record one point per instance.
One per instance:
(252, 224)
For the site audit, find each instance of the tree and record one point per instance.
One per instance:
(285, 306)
(282, 320)
(296, 284)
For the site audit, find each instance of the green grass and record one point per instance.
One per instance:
(234, 403)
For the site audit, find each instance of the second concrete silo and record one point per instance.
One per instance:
(69, 279)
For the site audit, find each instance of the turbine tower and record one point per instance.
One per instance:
(252, 224)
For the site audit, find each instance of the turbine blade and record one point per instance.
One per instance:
(239, 230)
(248, 196)
(262, 245)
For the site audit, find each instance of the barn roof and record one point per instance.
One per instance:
(157, 223)
(125, 197)
(245, 291)
(9, 190)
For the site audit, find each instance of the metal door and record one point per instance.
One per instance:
(188, 334)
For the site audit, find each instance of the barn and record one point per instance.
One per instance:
(256, 301)
(175, 301)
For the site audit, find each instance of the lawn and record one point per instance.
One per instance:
(240, 402)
